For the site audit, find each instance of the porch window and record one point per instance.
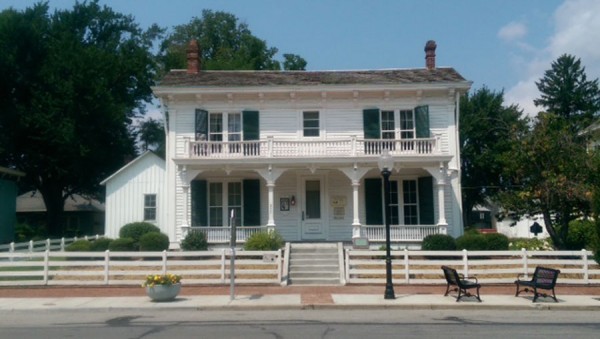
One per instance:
(149, 207)
(394, 218)
(310, 124)
(410, 202)
(215, 204)
(234, 202)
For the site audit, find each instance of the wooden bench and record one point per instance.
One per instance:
(543, 278)
(461, 285)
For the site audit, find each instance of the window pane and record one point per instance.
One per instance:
(310, 124)
(150, 207)
(313, 199)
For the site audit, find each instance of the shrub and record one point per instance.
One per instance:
(79, 246)
(533, 244)
(597, 256)
(100, 245)
(438, 242)
(582, 234)
(264, 241)
(122, 245)
(496, 242)
(136, 230)
(154, 241)
(471, 242)
(195, 241)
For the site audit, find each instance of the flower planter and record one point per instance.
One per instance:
(163, 292)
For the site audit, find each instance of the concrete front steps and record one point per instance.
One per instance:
(315, 264)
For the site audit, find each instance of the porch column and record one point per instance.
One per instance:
(181, 231)
(271, 199)
(355, 219)
(355, 174)
(441, 185)
(270, 175)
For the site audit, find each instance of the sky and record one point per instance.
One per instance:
(505, 45)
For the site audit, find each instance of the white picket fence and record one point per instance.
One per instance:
(43, 245)
(131, 268)
(424, 267)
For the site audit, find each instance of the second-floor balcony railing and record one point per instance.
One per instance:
(280, 148)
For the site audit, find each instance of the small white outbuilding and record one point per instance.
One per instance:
(136, 193)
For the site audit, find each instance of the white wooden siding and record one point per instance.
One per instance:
(125, 194)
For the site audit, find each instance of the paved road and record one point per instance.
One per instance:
(150, 324)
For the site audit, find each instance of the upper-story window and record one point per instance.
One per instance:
(388, 126)
(310, 123)
(407, 124)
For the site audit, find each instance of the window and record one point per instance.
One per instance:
(234, 132)
(410, 202)
(150, 207)
(310, 124)
(407, 124)
(215, 204)
(234, 201)
(394, 218)
(387, 125)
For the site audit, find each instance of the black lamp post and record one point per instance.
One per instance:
(386, 163)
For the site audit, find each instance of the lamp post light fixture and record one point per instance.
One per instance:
(386, 163)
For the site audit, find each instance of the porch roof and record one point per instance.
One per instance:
(181, 78)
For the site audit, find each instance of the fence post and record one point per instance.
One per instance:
(48, 244)
(164, 261)
(347, 254)
(465, 263)
(85, 237)
(11, 249)
(585, 266)
(46, 264)
(279, 258)
(223, 265)
(30, 246)
(62, 244)
(406, 268)
(525, 268)
(106, 266)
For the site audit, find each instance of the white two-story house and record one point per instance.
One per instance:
(298, 151)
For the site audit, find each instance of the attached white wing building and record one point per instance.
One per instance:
(298, 151)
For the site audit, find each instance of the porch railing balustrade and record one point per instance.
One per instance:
(278, 148)
(220, 235)
(414, 233)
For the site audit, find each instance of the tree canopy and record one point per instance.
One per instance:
(486, 130)
(566, 92)
(72, 82)
(225, 44)
(550, 165)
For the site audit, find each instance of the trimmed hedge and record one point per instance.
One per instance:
(136, 230)
(154, 241)
(264, 241)
(100, 245)
(79, 246)
(195, 241)
(122, 245)
(438, 242)
(471, 242)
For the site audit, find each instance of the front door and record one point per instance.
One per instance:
(313, 218)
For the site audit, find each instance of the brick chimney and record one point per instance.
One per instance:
(430, 54)
(193, 57)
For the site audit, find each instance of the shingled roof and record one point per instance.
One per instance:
(181, 78)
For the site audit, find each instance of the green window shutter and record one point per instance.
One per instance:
(371, 123)
(422, 121)
(251, 192)
(251, 127)
(374, 201)
(199, 203)
(426, 201)
(201, 125)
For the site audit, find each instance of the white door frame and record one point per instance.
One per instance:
(318, 228)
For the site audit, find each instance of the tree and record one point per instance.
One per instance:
(151, 134)
(224, 43)
(553, 172)
(486, 130)
(293, 62)
(566, 92)
(72, 82)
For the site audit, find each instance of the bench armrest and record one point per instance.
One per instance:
(462, 277)
(520, 275)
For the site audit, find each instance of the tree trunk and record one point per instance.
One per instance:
(55, 204)
(556, 240)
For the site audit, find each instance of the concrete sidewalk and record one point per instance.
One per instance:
(300, 301)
